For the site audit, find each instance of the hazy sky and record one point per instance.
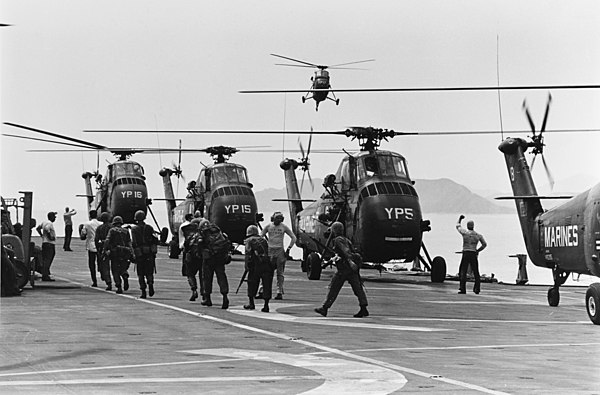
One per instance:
(67, 66)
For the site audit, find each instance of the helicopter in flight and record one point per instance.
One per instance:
(121, 191)
(373, 195)
(222, 194)
(565, 238)
(320, 88)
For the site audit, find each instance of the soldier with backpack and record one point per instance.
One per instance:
(192, 253)
(348, 266)
(259, 267)
(145, 246)
(215, 247)
(119, 250)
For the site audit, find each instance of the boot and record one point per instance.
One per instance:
(225, 304)
(279, 296)
(363, 312)
(143, 294)
(250, 305)
(151, 289)
(265, 308)
(109, 287)
(119, 290)
(125, 283)
(194, 296)
(322, 311)
(206, 301)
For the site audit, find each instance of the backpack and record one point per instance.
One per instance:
(193, 245)
(215, 241)
(261, 252)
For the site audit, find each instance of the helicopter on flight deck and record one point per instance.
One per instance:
(565, 238)
(373, 195)
(222, 194)
(122, 191)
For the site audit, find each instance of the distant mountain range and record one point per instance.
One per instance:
(436, 196)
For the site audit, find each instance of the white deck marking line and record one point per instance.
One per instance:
(479, 347)
(285, 337)
(318, 320)
(153, 380)
(145, 365)
(485, 320)
(340, 375)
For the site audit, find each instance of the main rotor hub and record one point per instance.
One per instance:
(369, 138)
(221, 154)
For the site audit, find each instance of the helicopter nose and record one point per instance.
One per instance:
(389, 227)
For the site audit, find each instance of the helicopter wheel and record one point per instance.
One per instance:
(304, 261)
(553, 296)
(313, 266)
(592, 302)
(303, 99)
(164, 233)
(438, 270)
(337, 102)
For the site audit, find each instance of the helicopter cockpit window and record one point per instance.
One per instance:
(371, 166)
(128, 169)
(218, 175)
(381, 165)
(241, 175)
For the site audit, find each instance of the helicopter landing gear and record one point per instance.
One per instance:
(337, 102)
(303, 99)
(592, 302)
(313, 266)
(560, 276)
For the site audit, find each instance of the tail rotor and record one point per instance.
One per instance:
(304, 163)
(537, 140)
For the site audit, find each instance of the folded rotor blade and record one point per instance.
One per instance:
(546, 114)
(548, 174)
(531, 124)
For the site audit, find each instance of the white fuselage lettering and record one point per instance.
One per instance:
(236, 208)
(561, 236)
(399, 213)
(134, 194)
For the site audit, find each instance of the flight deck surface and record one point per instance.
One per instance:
(65, 337)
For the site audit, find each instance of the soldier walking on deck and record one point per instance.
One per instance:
(103, 260)
(145, 245)
(348, 266)
(119, 250)
(259, 267)
(470, 254)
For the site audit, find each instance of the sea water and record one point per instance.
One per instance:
(503, 235)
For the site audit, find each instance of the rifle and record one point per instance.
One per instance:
(241, 281)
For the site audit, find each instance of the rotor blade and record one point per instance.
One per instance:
(359, 61)
(312, 185)
(294, 60)
(294, 65)
(87, 143)
(546, 113)
(179, 161)
(433, 89)
(46, 141)
(532, 163)
(346, 68)
(548, 174)
(531, 124)
(333, 132)
(309, 142)
(302, 182)
(301, 147)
